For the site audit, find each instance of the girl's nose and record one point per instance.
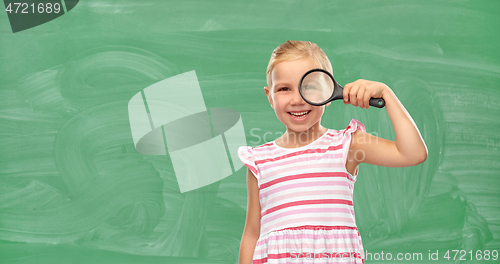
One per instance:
(297, 99)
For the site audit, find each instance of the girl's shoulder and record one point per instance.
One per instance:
(248, 150)
(351, 128)
(250, 156)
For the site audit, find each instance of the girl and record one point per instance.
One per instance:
(300, 186)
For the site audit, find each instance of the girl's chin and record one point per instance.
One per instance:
(296, 128)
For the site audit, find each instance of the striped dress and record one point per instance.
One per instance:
(306, 198)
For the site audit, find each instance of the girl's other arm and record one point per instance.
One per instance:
(251, 232)
(409, 148)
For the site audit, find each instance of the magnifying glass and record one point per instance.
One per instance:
(317, 87)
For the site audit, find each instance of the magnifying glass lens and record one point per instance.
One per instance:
(317, 87)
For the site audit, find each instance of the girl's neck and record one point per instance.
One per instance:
(294, 139)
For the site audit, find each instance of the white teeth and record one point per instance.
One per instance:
(299, 113)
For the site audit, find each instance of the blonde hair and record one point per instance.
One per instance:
(293, 50)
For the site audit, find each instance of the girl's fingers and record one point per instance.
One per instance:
(358, 93)
(345, 93)
(366, 99)
(353, 93)
(360, 96)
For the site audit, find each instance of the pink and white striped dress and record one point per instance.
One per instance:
(306, 198)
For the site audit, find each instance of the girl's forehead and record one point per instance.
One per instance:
(292, 70)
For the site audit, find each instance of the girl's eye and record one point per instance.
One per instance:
(283, 89)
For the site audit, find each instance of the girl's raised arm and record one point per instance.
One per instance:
(409, 148)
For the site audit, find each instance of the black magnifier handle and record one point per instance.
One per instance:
(377, 102)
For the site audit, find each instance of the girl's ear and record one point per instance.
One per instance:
(269, 96)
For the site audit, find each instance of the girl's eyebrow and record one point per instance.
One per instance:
(282, 84)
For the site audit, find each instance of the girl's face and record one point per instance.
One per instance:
(284, 97)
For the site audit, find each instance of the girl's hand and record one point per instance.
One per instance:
(358, 93)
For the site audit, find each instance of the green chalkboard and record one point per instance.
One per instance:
(74, 189)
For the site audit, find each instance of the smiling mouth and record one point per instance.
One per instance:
(301, 114)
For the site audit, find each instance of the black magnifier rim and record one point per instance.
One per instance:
(333, 92)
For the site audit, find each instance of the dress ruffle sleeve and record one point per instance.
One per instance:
(245, 154)
(347, 137)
